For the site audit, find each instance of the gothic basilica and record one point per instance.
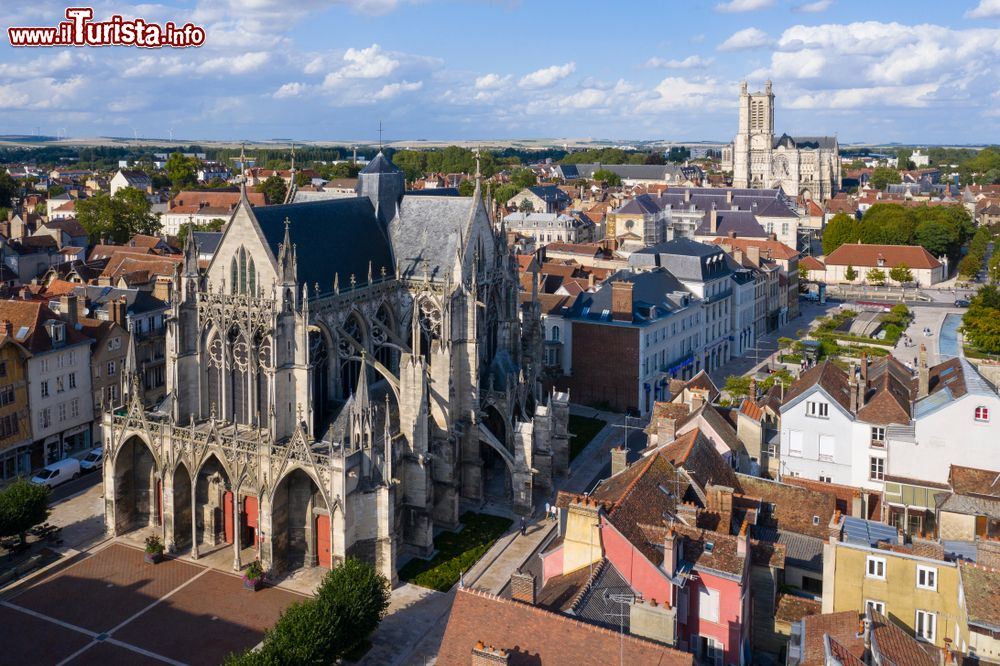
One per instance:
(341, 378)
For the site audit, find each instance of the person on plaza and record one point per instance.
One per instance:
(548, 511)
(524, 526)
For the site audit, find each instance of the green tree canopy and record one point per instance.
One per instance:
(851, 274)
(466, 188)
(876, 276)
(970, 265)
(882, 176)
(523, 178)
(888, 224)
(274, 189)
(901, 273)
(182, 171)
(609, 177)
(981, 322)
(505, 193)
(117, 218)
(22, 506)
(211, 225)
(8, 189)
(349, 604)
(843, 228)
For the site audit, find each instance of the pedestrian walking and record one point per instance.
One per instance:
(524, 526)
(548, 511)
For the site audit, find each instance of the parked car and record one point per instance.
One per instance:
(812, 297)
(93, 460)
(57, 473)
(961, 303)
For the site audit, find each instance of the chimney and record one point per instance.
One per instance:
(743, 540)
(522, 587)
(68, 309)
(753, 388)
(720, 500)
(687, 195)
(924, 380)
(621, 300)
(697, 401)
(6, 328)
(772, 236)
(835, 527)
(713, 221)
(729, 196)
(852, 388)
(753, 254)
(119, 311)
(732, 233)
(738, 256)
(673, 552)
(487, 655)
(162, 288)
(619, 462)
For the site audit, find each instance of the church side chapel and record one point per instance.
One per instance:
(342, 377)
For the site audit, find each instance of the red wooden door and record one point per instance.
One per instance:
(323, 540)
(227, 515)
(250, 515)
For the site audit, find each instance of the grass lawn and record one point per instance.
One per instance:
(457, 551)
(583, 429)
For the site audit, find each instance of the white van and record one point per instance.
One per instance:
(57, 473)
(92, 460)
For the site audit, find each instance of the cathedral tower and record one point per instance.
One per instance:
(383, 183)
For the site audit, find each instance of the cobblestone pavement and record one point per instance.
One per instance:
(112, 607)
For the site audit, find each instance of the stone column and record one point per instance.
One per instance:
(169, 538)
(110, 524)
(311, 558)
(194, 519)
(237, 564)
(338, 538)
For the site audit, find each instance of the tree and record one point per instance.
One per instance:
(970, 266)
(9, 189)
(505, 193)
(466, 188)
(850, 274)
(876, 276)
(523, 178)
(803, 273)
(211, 225)
(901, 273)
(182, 171)
(117, 218)
(56, 190)
(888, 224)
(737, 386)
(302, 179)
(609, 177)
(41, 209)
(349, 604)
(882, 176)
(22, 506)
(273, 189)
(843, 228)
(526, 206)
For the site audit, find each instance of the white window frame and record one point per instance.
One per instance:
(709, 601)
(929, 574)
(925, 625)
(792, 451)
(825, 453)
(874, 475)
(982, 414)
(875, 605)
(817, 410)
(879, 567)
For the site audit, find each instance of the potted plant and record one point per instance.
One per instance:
(154, 549)
(253, 577)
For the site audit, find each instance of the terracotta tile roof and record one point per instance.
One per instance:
(561, 592)
(843, 495)
(827, 375)
(792, 608)
(533, 636)
(129, 264)
(858, 255)
(898, 646)
(982, 594)
(553, 303)
(59, 287)
(949, 374)
(696, 455)
(812, 263)
(842, 627)
(212, 199)
(890, 393)
(771, 249)
(102, 251)
(793, 508)
(972, 481)
(704, 382)
(27, 319)
(751, 409)
(920, 547)
(722, 556)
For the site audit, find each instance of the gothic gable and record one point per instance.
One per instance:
(244, 242)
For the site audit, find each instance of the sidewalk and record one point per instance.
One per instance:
(412, 632)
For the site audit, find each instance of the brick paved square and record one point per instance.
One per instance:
(30, 640)
(107, 654)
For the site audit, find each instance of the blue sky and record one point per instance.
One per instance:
(912, 72)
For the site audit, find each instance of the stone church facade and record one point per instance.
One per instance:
(340, 379)
(807, 167)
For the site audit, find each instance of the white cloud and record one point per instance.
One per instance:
(155, 67)
(291, 89)
(748, 38)
(44, 65)
(492, 81)
(391, 90)
(543, 78)
(691, 62)
(743, 5)
(875, 96)
(814, 7)
(241, 64)
(368, 63)
(985, 9)
(587, 98)
(42, 93)
(680, 93)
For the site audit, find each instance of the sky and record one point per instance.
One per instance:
(916, 72)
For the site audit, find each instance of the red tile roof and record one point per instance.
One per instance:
(858, 255)
(972, 481)
(812, 263)
(771, 249)
(532, 636)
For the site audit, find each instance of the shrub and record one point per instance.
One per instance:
(22, 506)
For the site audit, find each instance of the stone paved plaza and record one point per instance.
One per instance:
(111, 607)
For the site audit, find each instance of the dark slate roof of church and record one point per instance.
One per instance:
(743, 222)
(426, 232)
(433, 192)
(814, 142)
(686, 259)
(380, 164)
(335, 236)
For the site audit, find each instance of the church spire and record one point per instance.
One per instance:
(243, 172)
(286, 256)
(292, 187)
(190, 250)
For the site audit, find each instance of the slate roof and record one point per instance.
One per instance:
(336, 236)
(427, 231)
(208, 241)
(686, 259)
(650, 289)
(533, 636)
(593, 603)
(982, 595)
(807, 142)
(560, 592)
(380, 164)
(801, 551)
(743, 222)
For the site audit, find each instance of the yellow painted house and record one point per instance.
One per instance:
(911, 584)
(15, 421)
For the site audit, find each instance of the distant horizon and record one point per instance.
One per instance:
(427, 68)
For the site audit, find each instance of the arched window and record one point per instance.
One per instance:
(982, 413)
(252, 270)
(555, 334)
(243, 271)
(234, 286)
